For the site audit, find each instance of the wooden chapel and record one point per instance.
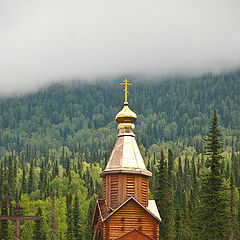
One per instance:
(125, 212)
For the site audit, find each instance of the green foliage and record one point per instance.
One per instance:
(59, 139)
(53, 225)
(76, 219)
(214, 199)
(234, 199)
(164, 197)
(78, 115)
(70, 229)
(4, 223)
(38, 233)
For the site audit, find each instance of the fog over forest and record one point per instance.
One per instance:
(55, 40)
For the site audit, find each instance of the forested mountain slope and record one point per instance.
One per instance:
(58, 139)
(75, 113)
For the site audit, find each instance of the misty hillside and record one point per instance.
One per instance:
(76, 113)
(59, 140)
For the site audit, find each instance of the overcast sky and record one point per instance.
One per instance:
(53, 40)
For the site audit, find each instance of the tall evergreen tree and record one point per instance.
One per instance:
(171, 229)
(1, 177)
(170, 165)
(30, 178)
(164, 199)
(39, 232)
(56, 170)
(70, 230)
(76, 219)
(4, 223)
(233, 209)
(24, 183)
(53, 224)
(10, 177)
(89, 233)
(214, 199)
(42, 183)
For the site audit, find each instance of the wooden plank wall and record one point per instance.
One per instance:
(114, 191)
(134, 236)
(129, 217)
(117, 188)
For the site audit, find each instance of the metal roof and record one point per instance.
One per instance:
(126, 156)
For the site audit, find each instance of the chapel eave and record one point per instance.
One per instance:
(127, 170)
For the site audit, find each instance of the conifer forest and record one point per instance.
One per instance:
(55, 142)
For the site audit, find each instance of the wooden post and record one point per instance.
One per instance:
(18, 228)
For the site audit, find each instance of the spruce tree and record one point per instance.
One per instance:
(193, 203)
(214, 199)
(10, 178)
(24, 183)
(89, 228)
(76, 219)
(38, 232)
(70, 230)
(30, 178)
(186, 232)
(41, 185)
(1, 177)
(53, 224)
(4, 223)
(233, 209)
(194, 176)
(55, 170)
(170, 165)
(171, 229)
(164, 200)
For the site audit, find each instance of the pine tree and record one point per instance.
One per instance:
(56, 170)
(76, 219)
(70, 230)
(178, 221)
(179, 185)
(233, 209)
(53, 224)
(193, 203)
(38, 232)
(214, 199)
(89, 228)
(164, 200)
(30, 178)
(170, 165)
(171, 229)
(4, 223)
(10, 178)
(68, 166)
(42, 185)
(1, 177)
(194, 176)
(24, 183)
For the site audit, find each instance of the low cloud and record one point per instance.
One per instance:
(55, 40)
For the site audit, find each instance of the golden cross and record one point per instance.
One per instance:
(126, 83)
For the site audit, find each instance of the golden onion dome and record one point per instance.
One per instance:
(126, 115)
